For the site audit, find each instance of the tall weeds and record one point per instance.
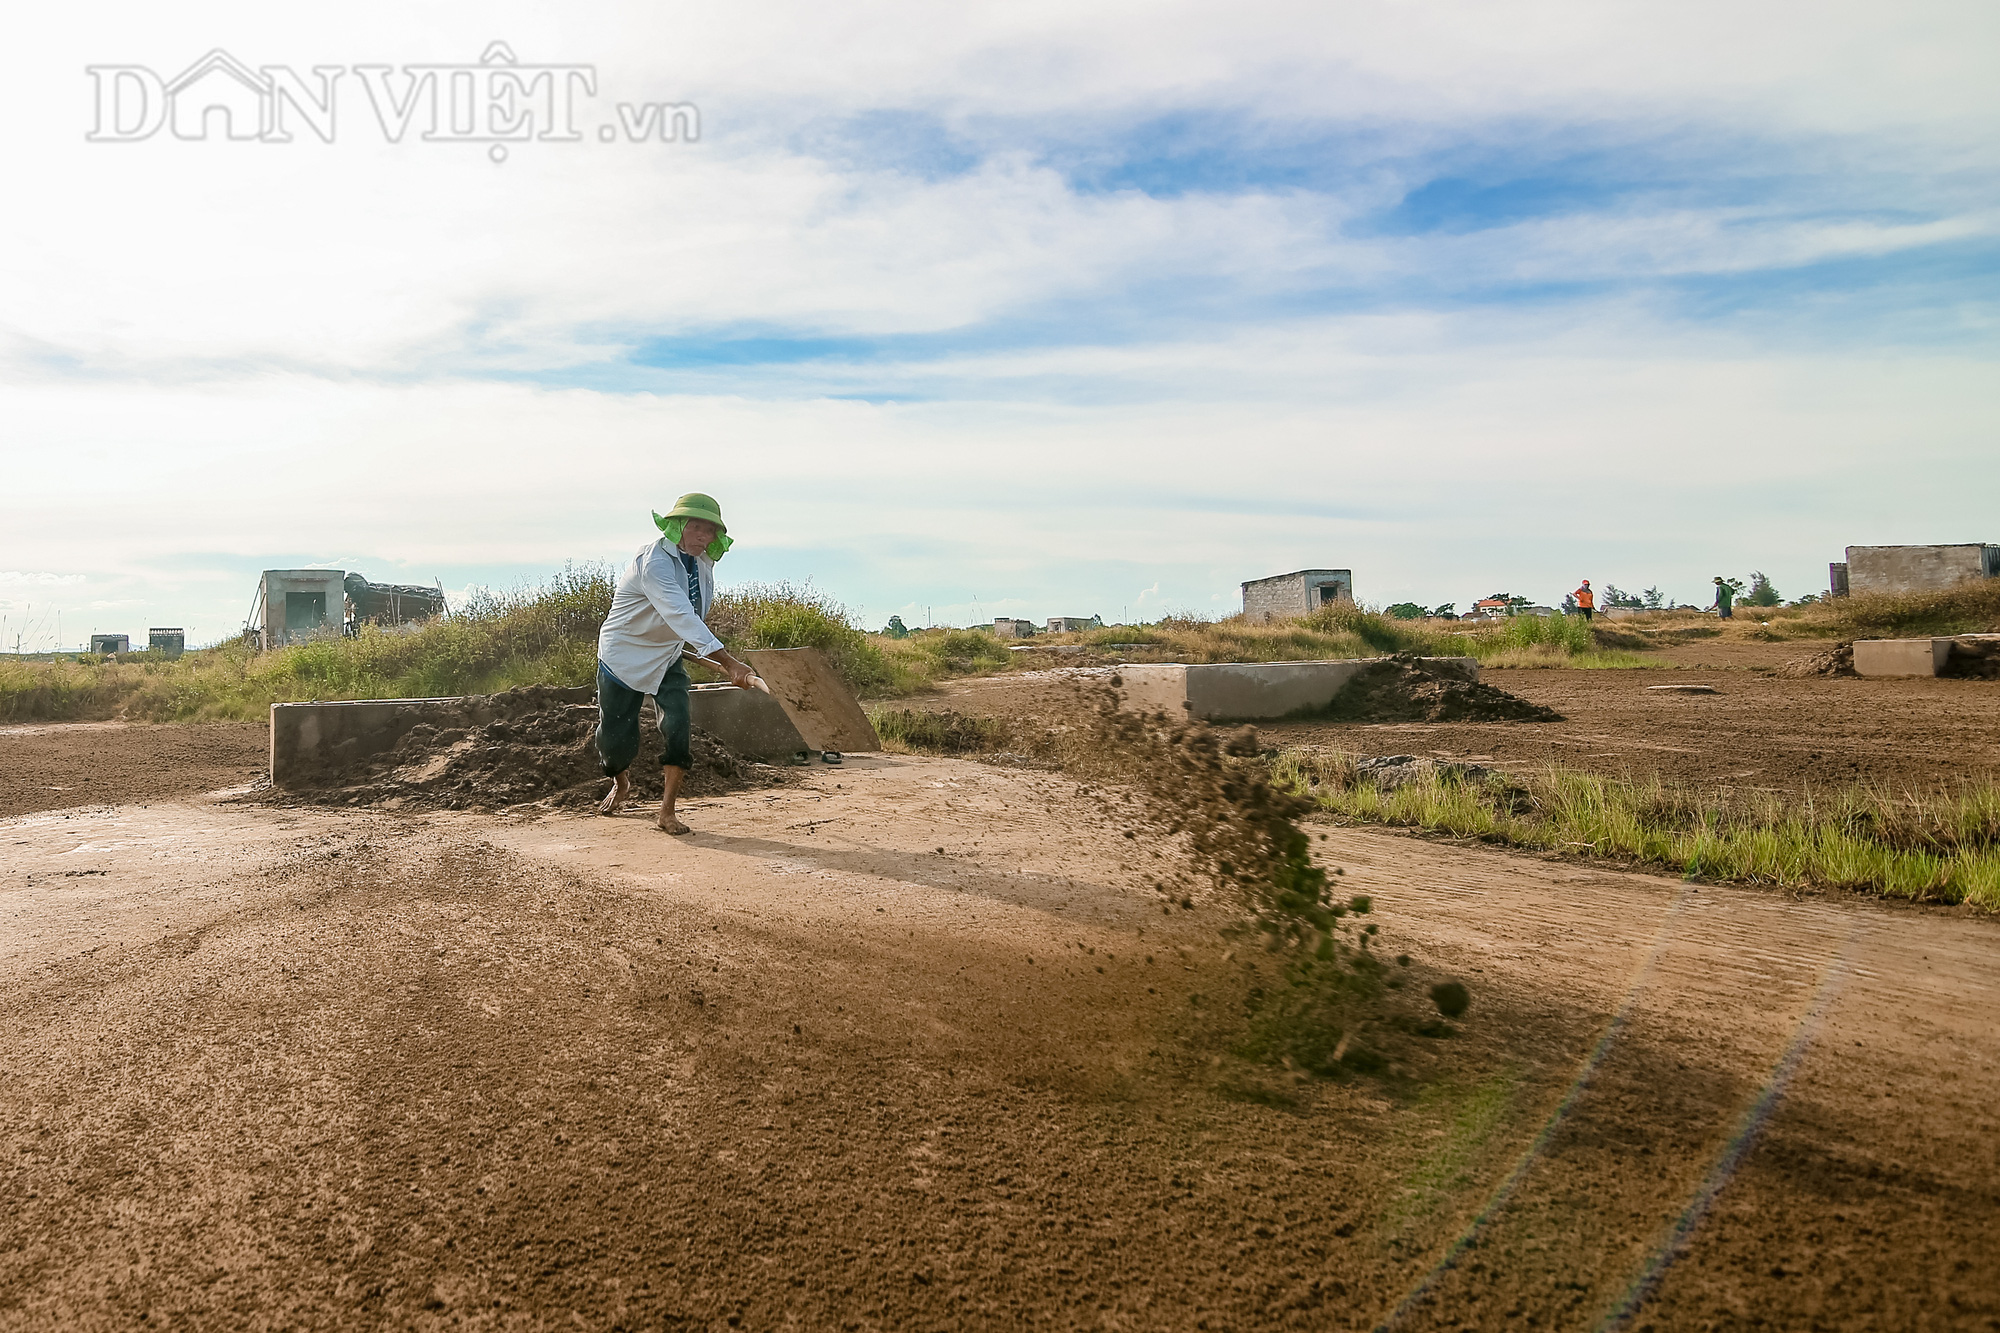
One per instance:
(544, 634)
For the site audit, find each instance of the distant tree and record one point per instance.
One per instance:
(1448, 611)
(1407, 611)
(1569, 604)
(1617, 596)
(1810, 599)
(1654, 601)
(895, 629)
(1761, 591)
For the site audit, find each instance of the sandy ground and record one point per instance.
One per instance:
(53, 766)
(1757, 730)
(908, 1045)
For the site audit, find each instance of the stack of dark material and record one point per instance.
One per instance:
(1974, 657)
(537, 745)
(1406, 688)
(392, 603)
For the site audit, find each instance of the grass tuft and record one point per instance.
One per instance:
(1941, 845)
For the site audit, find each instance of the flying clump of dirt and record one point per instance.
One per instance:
(540, 748)
(1407, 688)
(1238, 830)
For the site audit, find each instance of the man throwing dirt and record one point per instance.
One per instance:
(656, 617)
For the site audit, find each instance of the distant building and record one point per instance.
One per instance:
(295, 604)
(1072, 625)
(166, 642)
(1908, 569)
(1296, 594)
(1005, 627)
(110, 643)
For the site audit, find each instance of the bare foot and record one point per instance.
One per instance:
(620, 786)
(670, 780)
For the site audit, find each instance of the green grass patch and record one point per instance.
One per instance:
(939, 733)
(1937, 846)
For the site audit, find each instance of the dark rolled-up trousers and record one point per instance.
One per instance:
(618, 720)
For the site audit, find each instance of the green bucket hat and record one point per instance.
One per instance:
(694, 505)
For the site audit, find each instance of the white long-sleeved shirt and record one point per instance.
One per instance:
(651, 618)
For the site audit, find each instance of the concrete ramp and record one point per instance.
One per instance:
(1252, 691)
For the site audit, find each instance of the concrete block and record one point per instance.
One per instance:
(1900, 657)
(1250, 691)
(312, 741)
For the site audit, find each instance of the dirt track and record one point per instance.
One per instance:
(1757, 730)
(55, 766)
(283, 1069)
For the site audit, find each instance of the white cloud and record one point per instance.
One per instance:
(217, 355)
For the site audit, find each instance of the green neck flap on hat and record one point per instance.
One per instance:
(672, 528)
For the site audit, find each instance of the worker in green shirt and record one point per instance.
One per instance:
(1725, 598)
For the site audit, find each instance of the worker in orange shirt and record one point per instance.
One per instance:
(1586, 600)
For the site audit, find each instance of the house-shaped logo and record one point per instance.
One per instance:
(219, 91)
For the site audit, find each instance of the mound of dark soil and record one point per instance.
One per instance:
(529, 754)
(1414, 689)
(1974, 659)
(1835, 661)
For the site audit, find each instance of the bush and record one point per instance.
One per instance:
(1569, 634)
(786, 615)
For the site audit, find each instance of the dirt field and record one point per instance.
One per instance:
(1757, 730)
(908, 1046)
(50, 766)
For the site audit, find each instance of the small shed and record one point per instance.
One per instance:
(297, 604)
(167, 642)
(1299, 593)
(1073, 624)
(1908, 569)
(110, 643)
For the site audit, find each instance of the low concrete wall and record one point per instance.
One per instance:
(1900, 657)
(1915, 657)
(1250, 691)
(310, 740)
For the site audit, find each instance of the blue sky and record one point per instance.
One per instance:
(1020, 310)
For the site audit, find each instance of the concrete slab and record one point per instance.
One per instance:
(1900, 657)
(1250, 691)
(815, 698)
(311, 740)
